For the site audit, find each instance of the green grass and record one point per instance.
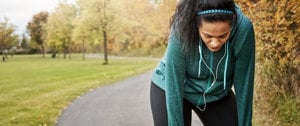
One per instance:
(34, 90)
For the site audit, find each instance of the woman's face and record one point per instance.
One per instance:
(214, 34)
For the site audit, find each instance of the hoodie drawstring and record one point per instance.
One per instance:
(226, 64)
(210, 69)
(200, 52)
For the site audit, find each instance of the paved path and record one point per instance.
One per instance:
(125, 103)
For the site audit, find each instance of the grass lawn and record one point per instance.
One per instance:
(34, 90)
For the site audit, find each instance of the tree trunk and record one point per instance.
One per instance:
(53, 54)
(83, 51)
(65, 50)
(43, 51)
(105, 47)
(69, 52)
(3, 58)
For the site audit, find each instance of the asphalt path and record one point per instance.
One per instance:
(125, 103)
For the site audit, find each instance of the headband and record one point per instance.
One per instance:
(214, 11)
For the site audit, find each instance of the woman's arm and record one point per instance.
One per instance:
(244, 74)
(175, 74)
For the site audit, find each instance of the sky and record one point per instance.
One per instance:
(20, 12)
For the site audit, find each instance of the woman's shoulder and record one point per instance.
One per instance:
(243, 32)
(243, 22)
(174, 40)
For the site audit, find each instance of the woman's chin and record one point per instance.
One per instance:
(214, 49)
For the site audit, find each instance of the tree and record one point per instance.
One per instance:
(101, 16)
(60, 27)
(8, 38)
(147, 26)
(158, 30)
(84, 33)
(36, 29)
(81, 33)
(104, 19)
(117, 26)
(24, 42)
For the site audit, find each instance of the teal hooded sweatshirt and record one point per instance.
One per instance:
(202, 76)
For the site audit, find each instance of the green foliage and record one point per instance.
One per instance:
(24, 41)
(128, 26)
(100, 18)
(8, 38)
(37, 30)
(286, 110)
(277, 28)
(59, 28)
(149, 26)
(31, 95)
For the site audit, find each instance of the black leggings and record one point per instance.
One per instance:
(219, 113)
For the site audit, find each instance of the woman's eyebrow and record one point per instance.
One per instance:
(208, 34)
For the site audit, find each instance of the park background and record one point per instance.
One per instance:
(96, 34)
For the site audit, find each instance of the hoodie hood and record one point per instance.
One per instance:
(225, 57)
(239, 19)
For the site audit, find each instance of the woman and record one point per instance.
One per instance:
(211, 48)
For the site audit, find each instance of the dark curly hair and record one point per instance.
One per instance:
(185, 22)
